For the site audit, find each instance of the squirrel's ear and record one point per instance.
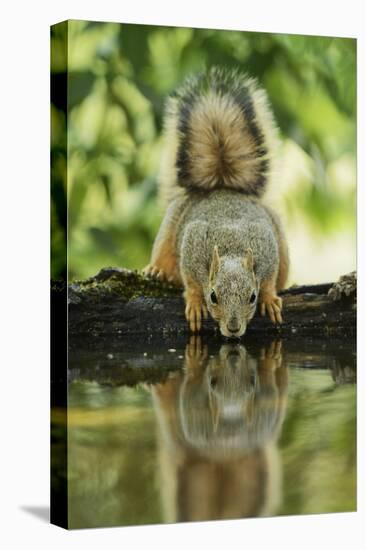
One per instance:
(215, 263)
(248, 260)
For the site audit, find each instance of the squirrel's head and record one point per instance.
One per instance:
(232, 293)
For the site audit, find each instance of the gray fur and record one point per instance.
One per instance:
(234, 223)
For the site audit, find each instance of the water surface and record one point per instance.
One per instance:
(161, 432)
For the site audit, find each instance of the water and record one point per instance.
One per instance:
(197, 431)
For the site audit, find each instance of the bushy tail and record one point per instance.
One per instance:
(219, 132)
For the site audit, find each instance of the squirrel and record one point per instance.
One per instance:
(217, 238)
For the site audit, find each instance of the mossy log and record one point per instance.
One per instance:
(123, 303)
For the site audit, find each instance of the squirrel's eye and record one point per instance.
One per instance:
(252, 298)
(213, 297)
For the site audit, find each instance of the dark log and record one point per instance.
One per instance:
(122, 303)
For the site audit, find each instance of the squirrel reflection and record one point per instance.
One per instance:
(219, 421)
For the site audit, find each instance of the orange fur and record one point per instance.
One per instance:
(284, 261)
(195, 304)
(269, 301)
(222, 148)
(228, 136)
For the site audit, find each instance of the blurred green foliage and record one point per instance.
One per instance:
(109, 129)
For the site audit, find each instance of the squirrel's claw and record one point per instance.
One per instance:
(150, 270)
(273, 306)
(194, 312)
(153, 271)
(193, 316)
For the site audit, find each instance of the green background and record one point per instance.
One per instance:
(106, 141)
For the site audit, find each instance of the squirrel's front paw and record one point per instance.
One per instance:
(195, 310)
(271, 304)
(152, 270)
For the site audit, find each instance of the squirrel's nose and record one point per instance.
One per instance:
(233, 325)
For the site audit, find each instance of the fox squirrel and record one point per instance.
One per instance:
(217, 238)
